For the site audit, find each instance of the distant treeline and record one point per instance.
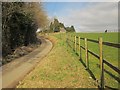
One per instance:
(20, 21)
(56, 26)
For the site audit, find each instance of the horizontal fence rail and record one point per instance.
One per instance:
(111, 66)
(105, 61)
(91, 52)
(116, 45)
(99, 57)
(112, 44)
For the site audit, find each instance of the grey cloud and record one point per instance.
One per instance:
(97, 16)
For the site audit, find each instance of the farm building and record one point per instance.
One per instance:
(62, 30)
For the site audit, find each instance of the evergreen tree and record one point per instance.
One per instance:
(56, 25)
(70, 29)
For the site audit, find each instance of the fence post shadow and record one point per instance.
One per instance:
(88, 70)
(77, 54)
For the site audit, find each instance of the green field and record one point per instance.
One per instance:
(109, 53)
(63, 68)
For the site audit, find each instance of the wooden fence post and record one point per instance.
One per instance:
(101, 64)
(75, 43)
(86, 54)
(79, 45)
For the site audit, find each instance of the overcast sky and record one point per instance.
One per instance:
(85, 16)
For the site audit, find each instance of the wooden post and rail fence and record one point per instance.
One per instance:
(100, 56)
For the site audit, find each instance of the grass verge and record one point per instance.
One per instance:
(61, 68)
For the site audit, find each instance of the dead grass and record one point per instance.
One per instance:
(59, 69)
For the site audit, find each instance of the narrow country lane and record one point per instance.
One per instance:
(16, 70)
